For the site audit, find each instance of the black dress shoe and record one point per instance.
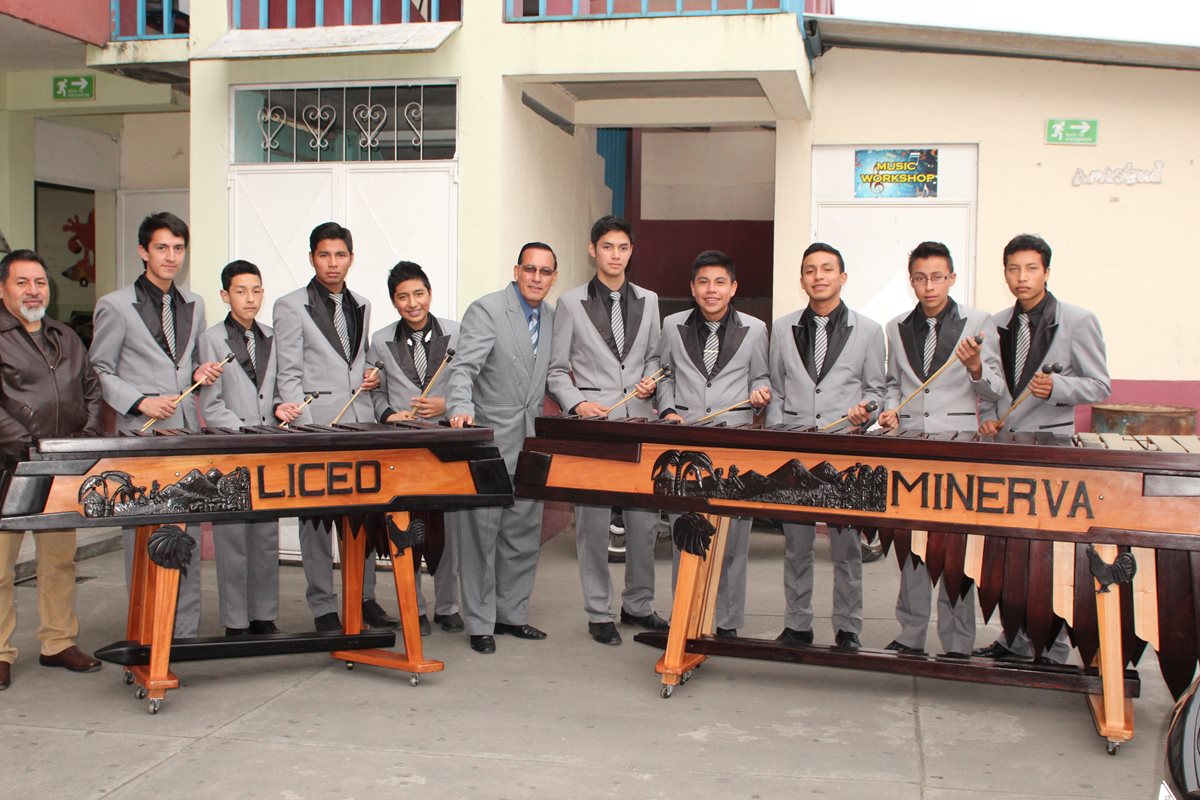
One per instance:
(483, 644)
(262, 626)
(604, 632)
(423, 624)
(903, 649)
(451, 623)
(726, 633)
(651, 622)
(328, 623)
(520, 631)
(5, 674)
(375, 617)
(236, 631)
(847, 640)
(997, 651)
(871, 552)
(793, 637)
(957, 656)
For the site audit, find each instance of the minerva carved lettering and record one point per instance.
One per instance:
(990, 494)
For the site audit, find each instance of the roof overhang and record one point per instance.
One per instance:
(414, 37)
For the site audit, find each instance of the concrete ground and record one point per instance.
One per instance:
(561, 718)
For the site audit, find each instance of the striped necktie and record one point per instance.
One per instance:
(168, 323)
(820, 345)
(533, 330)
(618, 323)
(930, 343)
(339, 323)
(250, 344)
(1022, 354)
(420, 360)
(712, 347)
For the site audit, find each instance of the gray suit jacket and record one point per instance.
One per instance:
(399, 384)
(584, 346)
(310, 360)
(1071, 336)
(132, 363)
(741, 368)
(495, 376)
(853, 371)
(243, 395)
(951, 402)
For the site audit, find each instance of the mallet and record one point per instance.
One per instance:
(227, 360)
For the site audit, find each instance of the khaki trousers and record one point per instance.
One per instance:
(58, 626)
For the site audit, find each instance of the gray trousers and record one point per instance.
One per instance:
(316, 551)
(187, 603)
(591, 548)
(1059, 652)
(445, 581)
(731, 593)
(956, 624)
(247, 571)
(498, 552)
(845, 549)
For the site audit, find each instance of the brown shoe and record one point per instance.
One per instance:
(5, 674)
(73, 659)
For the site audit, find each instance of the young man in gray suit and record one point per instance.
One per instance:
(1037, 330)
(321, 348)
(605, 343)
(247, 552)
(498, 380)
(826, 363)
(718, 358)
(144, 351)
(411, 350)
(920, 342)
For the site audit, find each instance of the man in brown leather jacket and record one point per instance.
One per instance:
(47, 388)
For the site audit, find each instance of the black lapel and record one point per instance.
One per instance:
(908, 337)
(947, 341)
(321, 318)
(633, 319)
(183, 326)
(803, 348)
(262, 354)
(237, 346)
(593, 307)
(402, 352)
(1043, 337)
(690, 345)
(438, 346)
(735, 332)
(837, 341)
(1008, 353)
(360, 336)
(151, 315)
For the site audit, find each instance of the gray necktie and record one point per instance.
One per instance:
(250, 350)
(930, 343)
(533, 330)
(618, 323)
(1022, 347)
(168, 323)
(820, 345)
(420, 361)
(339, 323)
(712, 346)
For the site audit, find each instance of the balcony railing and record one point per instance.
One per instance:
(257, 14)
(149, 19)
(564, 10)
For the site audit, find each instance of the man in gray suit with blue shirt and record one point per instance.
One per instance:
(605, 342)
(144, 351)
(717, 358)
(1037, 330)
(498, 380)
(321, 334)
(826, 364)
(919, 343)
(247, 552)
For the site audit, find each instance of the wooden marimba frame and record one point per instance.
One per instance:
(369, 477)
(1013, 513)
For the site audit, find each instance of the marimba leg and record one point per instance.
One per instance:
(1112, 711)
(152, 597)
(135, 624)
(693, 608)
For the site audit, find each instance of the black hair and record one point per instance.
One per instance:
(714, 258)
(1027, 241)
(157, 222)
(608, 224)
(930, 250)
(821, 247)
(235, 268)
(406, 271)
(330, 230)
(536, 246)
(20, 255)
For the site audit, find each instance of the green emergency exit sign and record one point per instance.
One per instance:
(74, 87)
(1071, 131)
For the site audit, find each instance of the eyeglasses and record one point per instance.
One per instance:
(921, 279)
(531, 270)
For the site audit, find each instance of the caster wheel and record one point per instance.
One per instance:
(349, 665)
(153, 706)
(139, 693)
(414, 679)
(667, 691)
(1112, 748)
(128, 678)
(687, 676)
